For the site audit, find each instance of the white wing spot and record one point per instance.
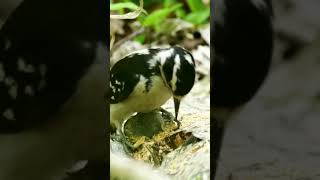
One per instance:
(9, 81)
(142, 78)
(29, 69)
(153, 62)
(22, 66)
(122, 87)
(260, 4)
(117, 82)
(2, 72)
(13, 91)
(112, 88)
(9, 114)
(29, 90)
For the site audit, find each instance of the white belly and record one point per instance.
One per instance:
(141, 101)
(147, 101)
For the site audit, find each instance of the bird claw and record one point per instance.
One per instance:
(122, 138)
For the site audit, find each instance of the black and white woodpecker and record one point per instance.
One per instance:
(53, 80)
(144, 80)
(242, 37)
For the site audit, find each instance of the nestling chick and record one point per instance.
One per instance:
(144, 80)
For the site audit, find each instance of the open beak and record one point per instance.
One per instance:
(176, 107)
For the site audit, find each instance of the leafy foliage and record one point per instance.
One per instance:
(196, 11)
(192, 11)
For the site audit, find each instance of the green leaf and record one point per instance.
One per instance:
(141, 38)
(196, 5)
(180, 13)
(157, 16)
(198, 17)
(167, 3)
(124, 5)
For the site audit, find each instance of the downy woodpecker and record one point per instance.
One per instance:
(242, 44)
(144, 80)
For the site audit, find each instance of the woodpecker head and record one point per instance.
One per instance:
(177, 69)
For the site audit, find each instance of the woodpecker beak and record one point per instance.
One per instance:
(176, 106)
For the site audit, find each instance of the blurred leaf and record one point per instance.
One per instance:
(196, 5)
(157, 16)
(180, 13)
(140, 38)
(124, 5)
(167, 3)
(147, 3)
(130, 15)
(198, 17)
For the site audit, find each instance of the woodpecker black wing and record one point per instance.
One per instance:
(33, 86)
(42, 57)
(243, 43)
(127, 72)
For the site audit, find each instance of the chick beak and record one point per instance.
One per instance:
(176, 109)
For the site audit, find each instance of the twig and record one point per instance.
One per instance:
(130, 15)
(127, 38)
